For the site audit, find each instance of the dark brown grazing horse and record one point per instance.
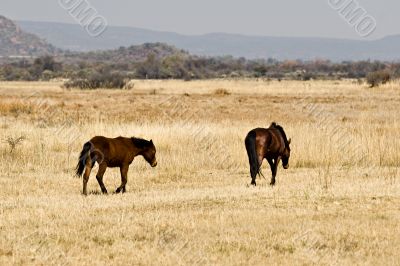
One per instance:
(269, 143)
(118, 152)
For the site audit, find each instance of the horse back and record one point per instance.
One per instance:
(115, 151)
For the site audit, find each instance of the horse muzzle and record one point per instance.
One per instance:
(286, 166)
(154, 164)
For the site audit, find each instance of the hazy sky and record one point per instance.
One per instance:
(252, 17)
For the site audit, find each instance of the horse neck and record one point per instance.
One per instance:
(139, 151)
(284, 141)
(281, 136)
(136, 150)
(136, 147)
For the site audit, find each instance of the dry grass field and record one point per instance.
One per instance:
(338, 204)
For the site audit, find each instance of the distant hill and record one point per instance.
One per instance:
(16, 42)
(74, 37)
(123, 55)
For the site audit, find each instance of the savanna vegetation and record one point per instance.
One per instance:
(111, 69)
(337, 204)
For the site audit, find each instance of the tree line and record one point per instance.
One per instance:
(98, 70)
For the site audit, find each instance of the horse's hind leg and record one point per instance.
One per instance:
(254, 170)
(274, 167)
(99, 177)
(86, 175)
(124, 179)
(253, 173)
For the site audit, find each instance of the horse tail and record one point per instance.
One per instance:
(250, 142)
(85, 154)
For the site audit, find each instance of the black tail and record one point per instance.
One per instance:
(250, 142)
(80, 167)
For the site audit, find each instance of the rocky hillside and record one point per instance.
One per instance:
(15, 42)
(134, 53)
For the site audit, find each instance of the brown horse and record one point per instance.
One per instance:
(118, 152)
(267, 143)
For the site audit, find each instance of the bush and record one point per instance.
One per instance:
(377, 78)
(10, 73)
(222, 92)
(98, 80)
(308, 77)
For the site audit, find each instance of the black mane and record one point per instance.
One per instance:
(141, 143)
(278, 127)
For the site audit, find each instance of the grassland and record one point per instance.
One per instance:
(338, 204)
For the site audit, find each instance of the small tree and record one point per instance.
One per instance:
(14, 142)
(377, 78)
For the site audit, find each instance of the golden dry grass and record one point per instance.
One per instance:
(337, 204)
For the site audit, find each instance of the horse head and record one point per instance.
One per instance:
(149, 154)
(286, 155)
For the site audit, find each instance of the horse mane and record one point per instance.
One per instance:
(140, 143)
(280, 129)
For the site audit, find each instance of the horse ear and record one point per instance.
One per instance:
(290, 140)
(151, 141)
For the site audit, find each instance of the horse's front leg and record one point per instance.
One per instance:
(124, 179)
